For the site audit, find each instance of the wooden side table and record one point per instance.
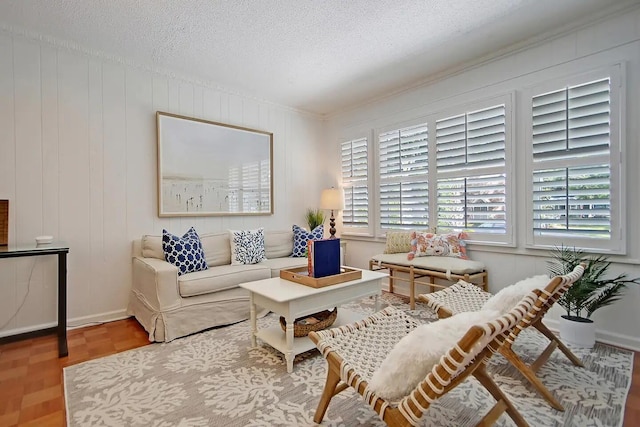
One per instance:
(55, 248)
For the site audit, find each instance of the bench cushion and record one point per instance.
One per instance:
(434, 263)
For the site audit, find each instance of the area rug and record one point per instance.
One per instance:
(215, 378)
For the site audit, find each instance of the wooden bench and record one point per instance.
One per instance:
(429, 267)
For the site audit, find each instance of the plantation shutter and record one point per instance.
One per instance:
(571, 158)
(355, 183)
(470, 157)
(403, 168)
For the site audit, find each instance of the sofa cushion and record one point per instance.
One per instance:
(247, 246)
(277, 264)
(217, 249)
(152, 246)
(302, 236)
(184, 252)
(220, 278)
(278, 244)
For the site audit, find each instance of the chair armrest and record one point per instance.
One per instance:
(156, 281)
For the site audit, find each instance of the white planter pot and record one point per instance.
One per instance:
(581, 333)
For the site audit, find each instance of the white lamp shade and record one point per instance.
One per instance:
(332, 198)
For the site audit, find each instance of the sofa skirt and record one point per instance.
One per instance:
(228, 307)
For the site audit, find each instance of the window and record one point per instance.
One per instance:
(355, 215)
(574, 178)
(403, 166)
(471, 176)
(447, 171)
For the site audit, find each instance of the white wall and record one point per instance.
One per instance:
(609, 41)
(78, 161)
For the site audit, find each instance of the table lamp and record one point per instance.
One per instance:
(332, 199)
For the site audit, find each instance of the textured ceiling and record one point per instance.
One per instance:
(316, 55)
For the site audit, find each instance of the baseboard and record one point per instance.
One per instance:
(76, 322)
(27, 329)
(96, 319)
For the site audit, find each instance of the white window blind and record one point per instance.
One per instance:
(471, 170)
(474, 204)
(403, 167)
(355, 183)
(571, 132)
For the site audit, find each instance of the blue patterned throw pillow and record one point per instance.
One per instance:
(247, 246)
(184, 252)
(301, 236)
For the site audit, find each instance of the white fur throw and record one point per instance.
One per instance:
(415, 355)
(508, 297)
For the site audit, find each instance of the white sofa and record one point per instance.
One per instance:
(169, 306)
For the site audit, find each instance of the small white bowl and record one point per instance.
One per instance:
(42, 240)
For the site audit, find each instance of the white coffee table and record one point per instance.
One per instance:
(293, 300)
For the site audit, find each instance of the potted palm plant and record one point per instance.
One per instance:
(592, 291)
(314, 217)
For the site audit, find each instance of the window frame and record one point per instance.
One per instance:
(616, 244)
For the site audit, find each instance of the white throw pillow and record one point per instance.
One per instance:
(415, 355)
(247, 246)
(508, 297)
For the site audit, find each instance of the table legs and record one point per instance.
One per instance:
(254, 323)
(288, 355)
(62, 305)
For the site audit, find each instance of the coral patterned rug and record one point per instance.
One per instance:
(214, 378)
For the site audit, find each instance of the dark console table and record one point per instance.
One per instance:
(55, 248)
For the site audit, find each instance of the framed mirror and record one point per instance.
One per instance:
(207, 168)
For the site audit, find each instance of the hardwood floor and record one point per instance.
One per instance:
(31, 392)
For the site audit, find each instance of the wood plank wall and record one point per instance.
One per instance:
(78, 161)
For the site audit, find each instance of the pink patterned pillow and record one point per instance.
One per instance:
(431, 244)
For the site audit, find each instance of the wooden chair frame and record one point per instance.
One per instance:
(553, 291)
(407, 412)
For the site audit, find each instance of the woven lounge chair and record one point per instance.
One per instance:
(355, 351)
(463, 297)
